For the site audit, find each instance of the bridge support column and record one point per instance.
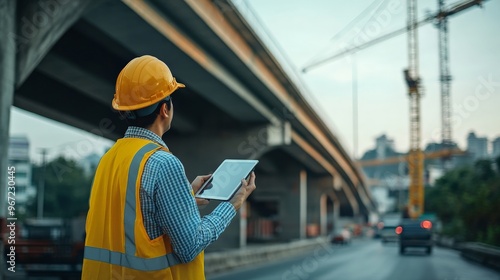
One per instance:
(284, 191)
(7, 81)
(323, 205)
(303, 204)
(293, 209)
(330, 213)
(351, 198)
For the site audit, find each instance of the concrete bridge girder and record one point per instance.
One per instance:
(142, 29)
(40, 24)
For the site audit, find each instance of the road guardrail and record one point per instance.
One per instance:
(222, 261)
(482, 253)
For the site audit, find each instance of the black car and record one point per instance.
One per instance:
(415, 233)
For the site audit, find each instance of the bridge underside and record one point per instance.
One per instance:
(66, 72)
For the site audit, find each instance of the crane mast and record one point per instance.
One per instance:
(415, 157)
(445, 77)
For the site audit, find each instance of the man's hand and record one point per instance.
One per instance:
(196, 185)
(245, 190)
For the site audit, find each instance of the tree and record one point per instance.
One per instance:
(466, 201)
(67, 189)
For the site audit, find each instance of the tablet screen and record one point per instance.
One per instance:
(226, 180)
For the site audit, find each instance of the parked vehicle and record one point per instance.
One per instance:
(45, 247)
(387, 228)
(342, 237)
(377, 230)
(388, 234)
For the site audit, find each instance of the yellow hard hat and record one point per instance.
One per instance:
(144, 81)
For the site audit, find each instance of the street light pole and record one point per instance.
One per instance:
(41, 185)
(354, 106)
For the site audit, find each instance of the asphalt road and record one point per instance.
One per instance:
(366, 259)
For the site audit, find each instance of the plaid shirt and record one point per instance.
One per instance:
(168, 206)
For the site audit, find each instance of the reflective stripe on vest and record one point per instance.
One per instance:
(128, 259)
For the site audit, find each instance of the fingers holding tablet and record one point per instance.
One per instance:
(199, 181)
(250, 183)
(247, 187)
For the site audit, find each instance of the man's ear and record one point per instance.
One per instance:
(164, 110)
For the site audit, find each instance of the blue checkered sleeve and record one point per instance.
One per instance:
(169, 207)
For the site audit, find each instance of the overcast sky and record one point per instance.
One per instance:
(304, 31)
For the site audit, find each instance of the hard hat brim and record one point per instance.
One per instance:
(118, 107)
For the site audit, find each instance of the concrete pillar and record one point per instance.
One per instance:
(243, 225)
(330, 206)
(330, 210)
(315, 206)
(351, 198)
(289, 211)
(283, 189)
(303, 204)
(336, 213)
(7, 81)
(322, 202)
(323, 215)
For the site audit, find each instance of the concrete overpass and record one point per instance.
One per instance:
(61, 60)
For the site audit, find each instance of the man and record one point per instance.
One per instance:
(143, 221)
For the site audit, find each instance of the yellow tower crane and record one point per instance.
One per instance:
(415, 156)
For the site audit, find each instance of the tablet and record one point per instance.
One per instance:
(226, 180)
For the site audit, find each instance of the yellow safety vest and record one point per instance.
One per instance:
(117, 245)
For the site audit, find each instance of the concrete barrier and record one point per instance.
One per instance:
(223, 261)
(482, 253)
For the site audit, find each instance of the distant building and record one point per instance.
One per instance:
(433, 147)
(384, 147)
(433, 164)
(388, 181)
(496, 148)
(18, 156)
(477, 147)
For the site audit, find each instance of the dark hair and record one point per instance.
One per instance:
(148, 120)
